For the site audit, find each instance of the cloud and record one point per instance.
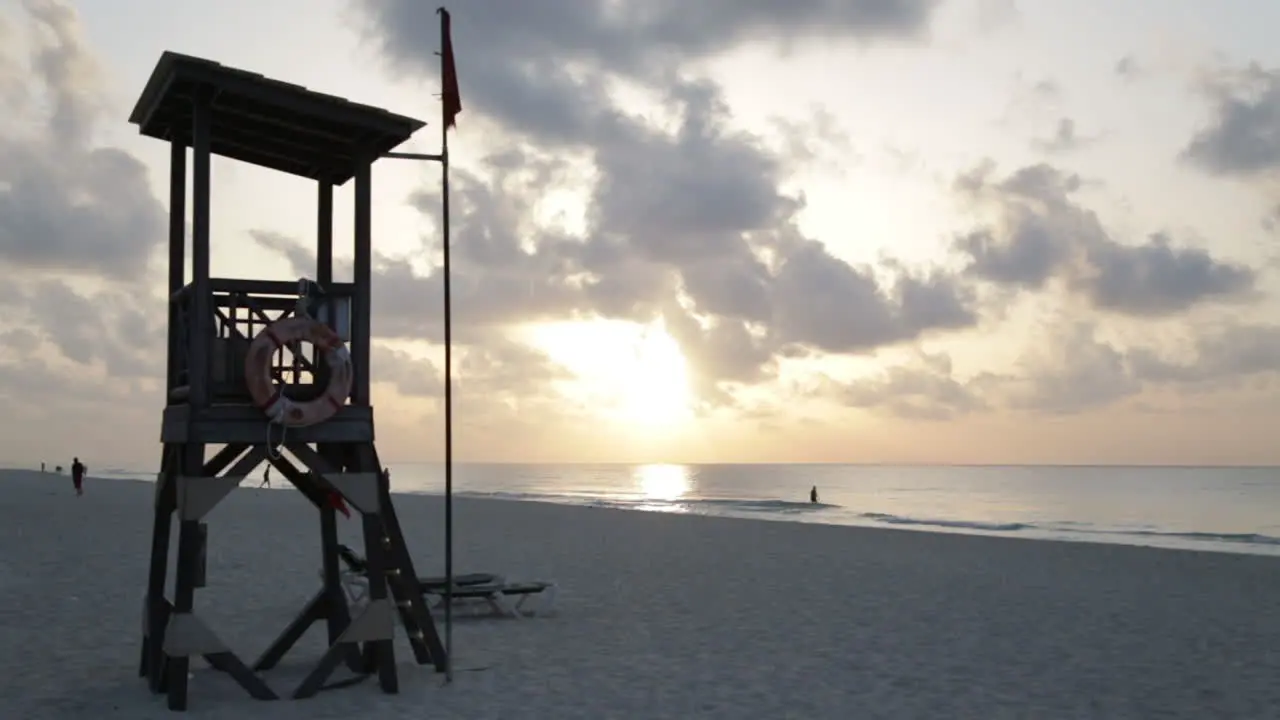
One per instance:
(488, 378)
(521, 60)
(1220, 358)
(109, 328)
(1241, 140)
(1242, 137)
(1042, 234)
(1076, 372)
(64, 203)
(1128, 68)
(83, 335)
(684, 220)
(994, 14)
(411, 376)
(831, 306)
(925, 389)
(677, 217)
(1065, 139)
(1070, 368)
(1093, 372)
(686, 224)
(78, 224)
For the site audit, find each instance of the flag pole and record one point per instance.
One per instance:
(449, 107)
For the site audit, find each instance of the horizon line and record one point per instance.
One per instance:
(995, 465)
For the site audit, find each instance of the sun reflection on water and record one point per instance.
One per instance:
(662, 484)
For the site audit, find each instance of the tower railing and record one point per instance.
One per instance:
(241, 308)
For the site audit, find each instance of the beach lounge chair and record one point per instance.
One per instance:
(484, 590)
(357, 567)
(514, 600)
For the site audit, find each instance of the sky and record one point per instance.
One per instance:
(873, 231)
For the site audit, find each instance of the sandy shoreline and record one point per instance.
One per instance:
(659, 616)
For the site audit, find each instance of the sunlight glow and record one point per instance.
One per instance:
(631, 373)
(663, 482)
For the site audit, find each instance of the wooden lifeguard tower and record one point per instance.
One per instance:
(227, 341)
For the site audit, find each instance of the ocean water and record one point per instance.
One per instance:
(1224, 509)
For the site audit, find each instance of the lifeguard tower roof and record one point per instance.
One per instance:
(266, 122)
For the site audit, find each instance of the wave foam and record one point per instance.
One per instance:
(819, 512)
(958, 524)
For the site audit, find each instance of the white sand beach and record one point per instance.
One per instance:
(659, 616)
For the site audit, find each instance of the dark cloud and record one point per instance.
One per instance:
(751, 313)
(536, 67)
(69, 206)
(64, 203)
(83, 337)
(1043, 234)
(1242, 137)
(688, 210)
(694, 213)
(831, 306)
(1128, 68)
(1156, 278)
(114, 329)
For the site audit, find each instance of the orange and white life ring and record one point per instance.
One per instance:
(269, 397)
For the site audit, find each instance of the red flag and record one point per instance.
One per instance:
(337, 503)
(452, 101)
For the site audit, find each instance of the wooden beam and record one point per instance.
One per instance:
(311, 458)
(413, 156)
(223, 458)
(361, 311)
(200, 318)
(287, 288)
(324, 236)
(250, 462)
(313, 492)
(177, 258)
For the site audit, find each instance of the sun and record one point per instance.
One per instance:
(656, 388)
(634, 374)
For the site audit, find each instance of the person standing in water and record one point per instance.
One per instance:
(77, 475)
(813, 494)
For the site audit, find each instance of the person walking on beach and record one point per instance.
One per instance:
(266, 478)
(77, 475)
(813, 494)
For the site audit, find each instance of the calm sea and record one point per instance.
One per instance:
(1226, 509)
